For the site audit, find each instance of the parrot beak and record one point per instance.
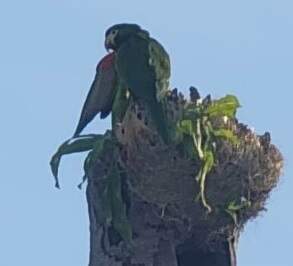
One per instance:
(110, 40)
(109, 43)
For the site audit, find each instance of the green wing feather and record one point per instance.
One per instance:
(160, 61)
(142, 78)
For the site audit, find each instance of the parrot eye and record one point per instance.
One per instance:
(114, 32)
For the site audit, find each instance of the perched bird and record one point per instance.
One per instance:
(143, 66)
(138, 64)
(101, 95)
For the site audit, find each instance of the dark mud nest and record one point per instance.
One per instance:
(160, 189)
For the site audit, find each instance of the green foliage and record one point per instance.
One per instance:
(160, 61)
(93, 155)
(197, 126)
(233, 209)
(226, 106)
(111, 207)
(186, 127)
(73, 145)
(117, 206)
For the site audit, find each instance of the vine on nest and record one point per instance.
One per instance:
(196, 125)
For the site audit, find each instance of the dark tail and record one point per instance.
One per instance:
(159, 119)
(78, 130)
(83, 121)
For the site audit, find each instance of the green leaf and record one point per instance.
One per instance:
(226, 106)
(185, 127)
(94, 154)
(196, 126)
(73, 145)
(88, 163)
(86, 167)
(226, 134)
(233, 209)
(102, 203)
(119, 215)
(233, 206)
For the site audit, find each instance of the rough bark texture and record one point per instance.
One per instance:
(171, 228)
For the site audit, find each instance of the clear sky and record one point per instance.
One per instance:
(48, 53)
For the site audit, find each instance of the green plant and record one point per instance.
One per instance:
(233, 209)
(197, 125)
(73, 145)
(111, 207)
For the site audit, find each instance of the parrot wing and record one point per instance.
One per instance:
(135, 69)
(101, 95)
(160, 61)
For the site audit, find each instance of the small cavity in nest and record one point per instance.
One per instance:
(139, 116)
(153, 143)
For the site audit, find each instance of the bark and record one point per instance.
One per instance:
(170, 227)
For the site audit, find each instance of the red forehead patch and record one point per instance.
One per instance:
(107, 61)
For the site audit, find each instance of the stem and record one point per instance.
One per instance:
(197, 140)
(202, 189)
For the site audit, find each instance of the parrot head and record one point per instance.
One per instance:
(119, 33)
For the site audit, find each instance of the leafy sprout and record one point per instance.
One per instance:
(196, 124)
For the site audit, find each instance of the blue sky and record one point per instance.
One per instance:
(48, 53)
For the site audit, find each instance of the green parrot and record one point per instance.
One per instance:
(138, 64)
(143, 67)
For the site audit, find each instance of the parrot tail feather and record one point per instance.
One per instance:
(159, 119)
